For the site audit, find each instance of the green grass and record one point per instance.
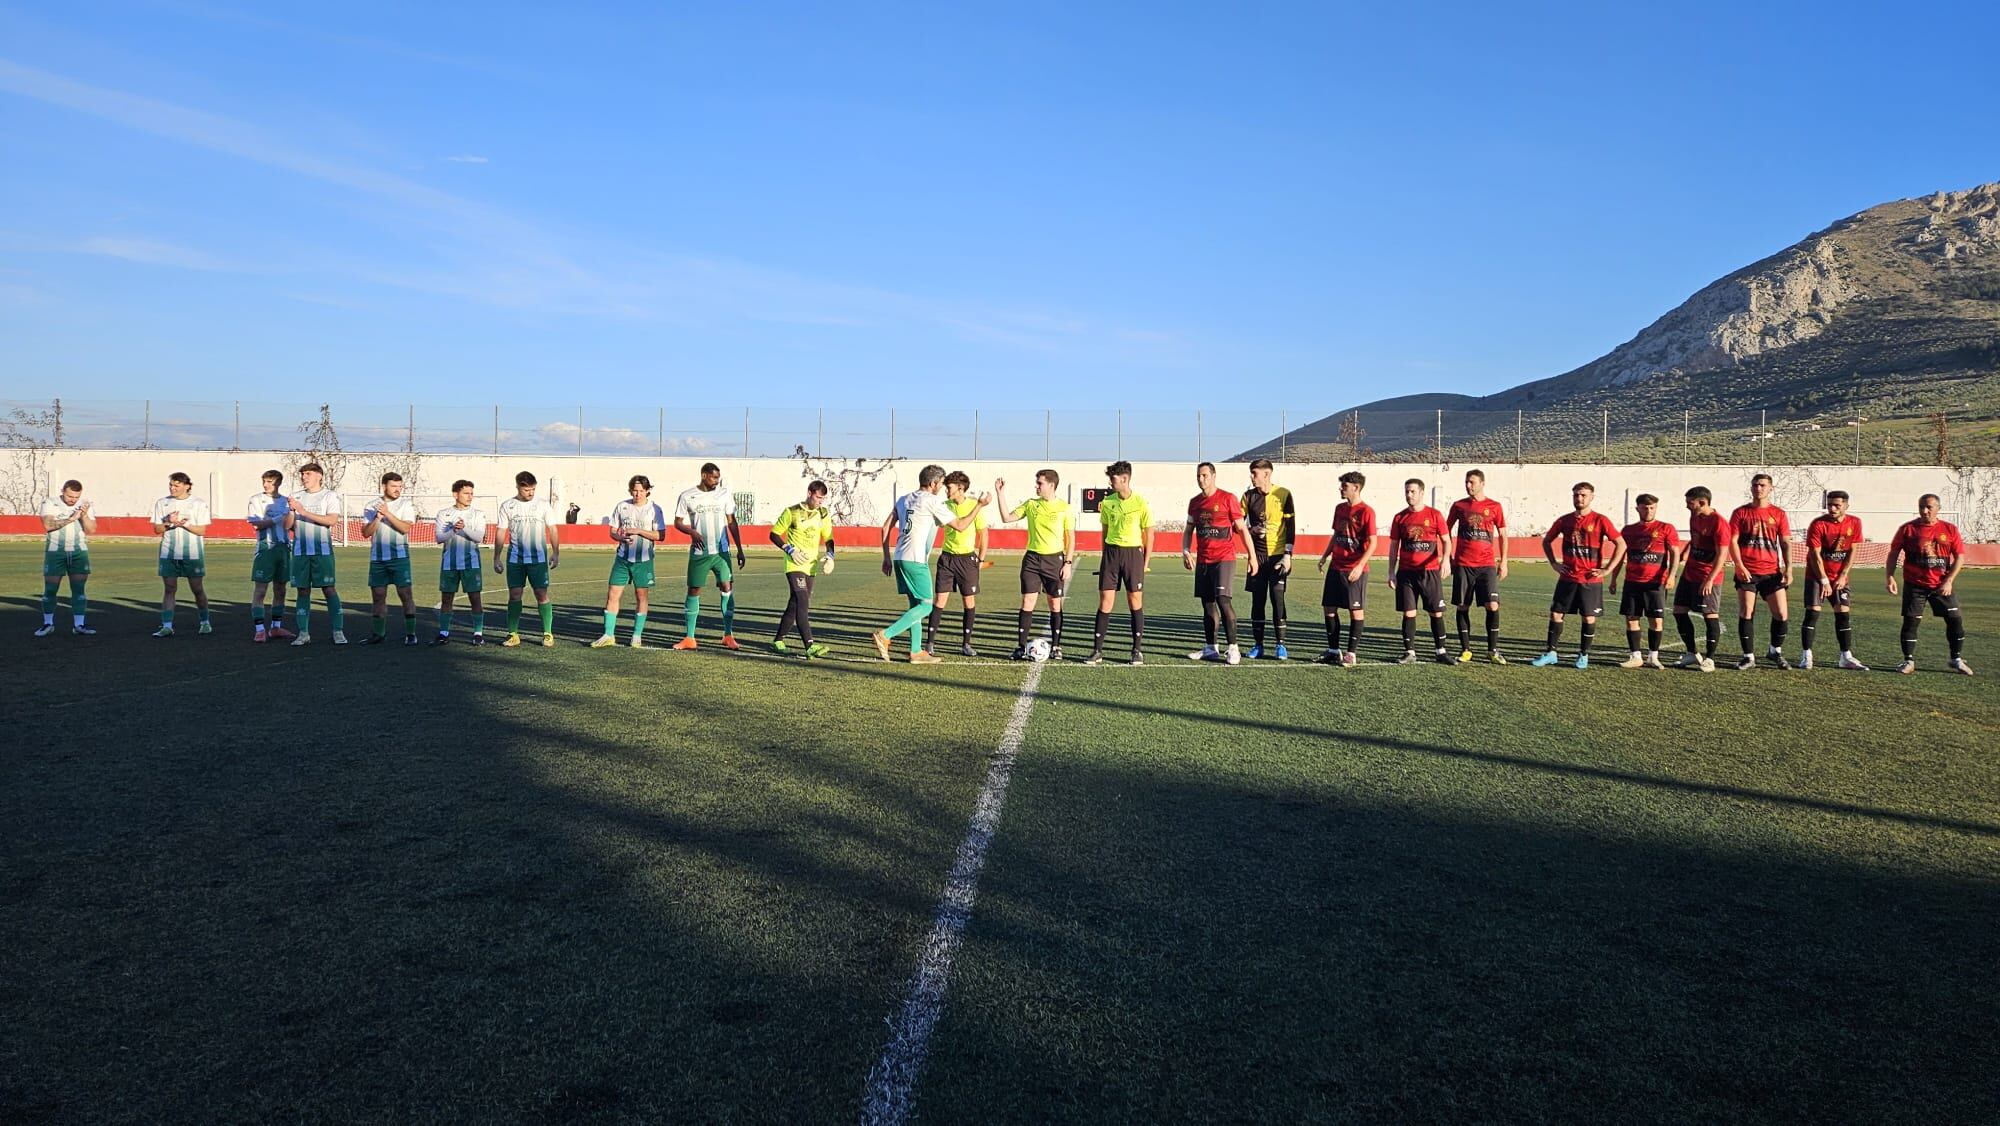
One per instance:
(242, 882)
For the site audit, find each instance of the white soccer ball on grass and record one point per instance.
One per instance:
(1038, 649)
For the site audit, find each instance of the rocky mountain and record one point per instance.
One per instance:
(1888, 316)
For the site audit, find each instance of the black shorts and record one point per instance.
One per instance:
(1573, 597)
(1042, 574)
(1475, 586)
(1696, 594)
(1841, 599)
(1420, 590)
(1213, 580)
(1122, 567)
(1268, 578)
(1764, 585)
(1915, 597)
(1343, 595)
(958, 572)
(1643, 600)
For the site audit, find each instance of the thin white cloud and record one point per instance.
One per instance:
(154, 253)
(467, 158)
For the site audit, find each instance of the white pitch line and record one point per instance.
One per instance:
(892, 1081)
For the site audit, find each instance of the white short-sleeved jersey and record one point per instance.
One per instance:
(387, 543)
(179, 543)
(460, 531)
(309, 538)
(527, 523)
(919, 514)
(262, 507)
(70, 536)
(649, 516)
(708, 510)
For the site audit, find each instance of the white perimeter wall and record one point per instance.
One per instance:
(126, 482)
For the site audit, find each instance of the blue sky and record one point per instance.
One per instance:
(1157, 206)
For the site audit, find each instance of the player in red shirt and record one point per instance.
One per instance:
(1348, 549)
(1215, 525)
(1932, 553)
(1830, 543)
(1416, 559)
(1711, 552)
(1652, 549)
(1763, 535)
(1478, 563)
(1590, 550)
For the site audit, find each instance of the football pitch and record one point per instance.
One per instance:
(244, 882)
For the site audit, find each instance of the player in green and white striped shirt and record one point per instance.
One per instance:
(180, 519)
(636, 525)
(69, 525)
(387, 523)
(460, 530)
(530, 550)
(706, 514)
(311, 518)
(271, 567)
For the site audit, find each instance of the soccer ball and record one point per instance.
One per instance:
(1038, 649)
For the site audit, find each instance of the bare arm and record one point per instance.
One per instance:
(1243, 535)
(1549, 539)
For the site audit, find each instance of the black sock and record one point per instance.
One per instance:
(1746, 634)
(1684, 622)
(965, 626)
(1278, 615)
(1354, 633)
(1493, 631)
(1555, 634)
(1714, 628)
(1954, 632)
(931, 627)
(1228, 608)
(1808, 628)
(1021, 630)
(1333, 631)
(1055, 627)
(1910, 637)
(1843, 628)
(1589, 635)
(1097, 629)
(1437, 630)
(804, 621)
(1631, 637)
(1138, 627)
(1464, 621)
(1257, 610)
(1653, 637)
(1210, 616)
(1778, 628)
(1409, 635)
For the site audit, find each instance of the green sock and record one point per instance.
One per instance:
(78, 603)
(203, 614)
(513, 616)
(610, 622)
(379, 626)
(305, 608)
(638, 625)
(257, 614)
(548, 617)
(693, 612)
(911, 620)
(444, 622)
(49, 598)
(167, 617)
(409, 625)
(728, 613)
(917, 635)
(333, 610)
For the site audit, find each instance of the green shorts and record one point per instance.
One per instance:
(56, 564)
(272, 565)
(914, 580)
(389, 572)
(183, 568)
(625, 572)
(527, 574)
(312, 570)
(701, 567)
(472, 580)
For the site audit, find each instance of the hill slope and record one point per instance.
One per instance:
(1889, 315)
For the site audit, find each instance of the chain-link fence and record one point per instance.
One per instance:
(1914, 436)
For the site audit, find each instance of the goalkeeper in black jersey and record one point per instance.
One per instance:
(1274, 525)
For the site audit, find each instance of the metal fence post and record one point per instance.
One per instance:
(1048, 432)
(1121, 434)
(147, 444)
(1197, 436)
(819, 448)
(1281, 435)
(1437, 451)
(746, 431)
(496, 430)
(1762, 422)
(1607, 435)
(1857, 439)
(410, 439)
(975, 434)
(1517, 439)
(579, 432)
(892, 433)
(1687, 437)
(235, 443)
(663, 432)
